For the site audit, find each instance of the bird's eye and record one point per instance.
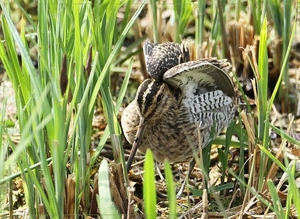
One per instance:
(158, 99)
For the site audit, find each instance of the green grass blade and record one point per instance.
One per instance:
(284, 63)
(170, 190)
(104, 199)
(199, 22)
(183, 11)
(275, 199)
(275, 10)
(287, 17)
(23, 51)
(3, 146)
(124, 86)
(284, 135)
(262, 84)
(263, 79)
(153, 6)
(273, 158)
(112, 56)
(149, 190)
(293, 191)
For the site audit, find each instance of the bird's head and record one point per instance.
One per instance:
(153, 99)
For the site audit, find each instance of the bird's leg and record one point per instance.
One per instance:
(159, 172)
(136, 142)
(191, 167)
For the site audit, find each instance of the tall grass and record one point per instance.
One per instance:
(77, 44)
(282, 14)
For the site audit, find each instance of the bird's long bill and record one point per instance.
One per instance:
(136, 143)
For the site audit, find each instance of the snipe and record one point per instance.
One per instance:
(179, 96)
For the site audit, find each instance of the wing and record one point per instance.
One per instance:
(208, 91)
(196, 77)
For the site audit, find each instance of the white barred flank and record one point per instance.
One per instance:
(208, 101)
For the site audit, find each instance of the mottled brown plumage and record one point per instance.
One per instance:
(162, 57)
(166, 111)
